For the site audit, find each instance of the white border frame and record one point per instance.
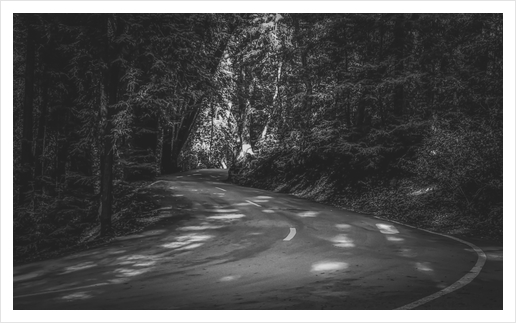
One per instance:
(10, 7)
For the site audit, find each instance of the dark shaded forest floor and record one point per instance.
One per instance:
(137, 212)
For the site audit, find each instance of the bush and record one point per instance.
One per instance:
(465, 160)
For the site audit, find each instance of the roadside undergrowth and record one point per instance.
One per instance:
(407, 201)
(69, 225)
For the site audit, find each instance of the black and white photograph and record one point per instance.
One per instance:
(258, 161)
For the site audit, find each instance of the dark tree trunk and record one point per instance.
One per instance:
(348, 110)
(40, 143)
(166, 151)
(398, 44)
(107, 185)
(62, 154)
(112, 80)
(183, 133)
(210, 152)
(360, 113)
(27, 159)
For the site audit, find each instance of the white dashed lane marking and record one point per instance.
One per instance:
(220, 188)
(291, 234)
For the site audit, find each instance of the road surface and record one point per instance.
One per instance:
(221, 246)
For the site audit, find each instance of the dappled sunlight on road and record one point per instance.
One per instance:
(323, 266)
(222, 210)
(493, 253)
(426, 268)
(389, 231)
(130, 272)
(82, 255)
(203, 226)
(81, 266)
(387, 228)
(77, 296)
(495, 256)
(343, 241)
(423, 266)
(184, 240)
(190, 246)
(137, 260)
(134, 265)
(28, 276)
(118, 280)
(143, 234)
(394, 239)
(242, 204)
(342, 226)
(260, 199)
(231, 216)
(32, 283)
(145, 264)
(308, 214)
(115, 252)
(407, 252)
(229, 278)
(152, 232)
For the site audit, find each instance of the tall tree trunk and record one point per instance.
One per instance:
(348, 109)
(40, 143)
(398, 44)
(62, 154)
(181, 136)
(166, 151)
(107, 182)
(359, 122)
(276, 102)
(27, 159)
(112, 80)
(212, 117)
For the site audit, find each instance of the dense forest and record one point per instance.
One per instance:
(398, 115)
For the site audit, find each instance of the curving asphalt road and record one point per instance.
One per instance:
(221, 246)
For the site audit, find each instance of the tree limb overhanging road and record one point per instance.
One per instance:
(221, 246)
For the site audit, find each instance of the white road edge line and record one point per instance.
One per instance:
(291, 234)
(220, 188)
(253, 203)
(60, 290)
(466, 279)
